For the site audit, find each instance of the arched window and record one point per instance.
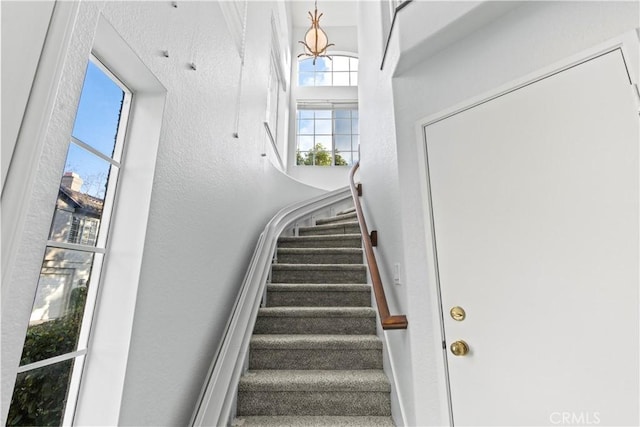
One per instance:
(340, 70)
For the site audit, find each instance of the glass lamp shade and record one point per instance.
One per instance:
(315, 41)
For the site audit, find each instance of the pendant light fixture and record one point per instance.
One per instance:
(315, 40)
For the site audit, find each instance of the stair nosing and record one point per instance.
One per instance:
(320, 250)
(330, 225)
(315, 342)
(322, 237)
(307, 267)
(317, 312)
(312, 420)
(338, 219)
(271, 380)
(346, 211)
(319, 287)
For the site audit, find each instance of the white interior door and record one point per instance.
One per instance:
(535, 210)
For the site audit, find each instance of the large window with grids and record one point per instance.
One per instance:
(58, 332)
(327, 135)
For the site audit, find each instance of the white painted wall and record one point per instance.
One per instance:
(521, 40)
(381, 196)
(345, 39)
(211, 196)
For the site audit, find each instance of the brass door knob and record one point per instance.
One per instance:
(459, 348)
(458, 313)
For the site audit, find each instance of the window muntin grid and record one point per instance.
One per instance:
(327, 137)
(340, 70)
(58, 331)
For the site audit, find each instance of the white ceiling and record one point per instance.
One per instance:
(337, 13)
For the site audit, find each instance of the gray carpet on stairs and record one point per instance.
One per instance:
(314, 357)
(312, 421)
(314, 295)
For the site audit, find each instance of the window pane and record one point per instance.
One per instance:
(341, 79)
(343, 114)
(306, 65)
(80, 202)
(304, 158)
(323, 114)
(305, 114)
(99, 109)
(354, 125)
(323, 142)
(306, 79)
(340, 63)
(92, 172)
(40, 395)
(342, 159)
(322, 157)
(343, 143)
(342, 126)
(305, 143)
(323, 79)
(323, 64)
(340, 71)
(58, 307)
(354, 113)
(305, 127)
(323, 127)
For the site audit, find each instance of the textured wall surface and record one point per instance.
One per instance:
(212, 194)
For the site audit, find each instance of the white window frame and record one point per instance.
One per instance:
(98, 251)
(328, 106)
(313, 94)
(33, 182)
(101, 391)
(332, 72)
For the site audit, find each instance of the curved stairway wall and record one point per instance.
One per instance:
(216, 401)
(303, 345)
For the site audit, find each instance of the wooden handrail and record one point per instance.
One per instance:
(386, 319)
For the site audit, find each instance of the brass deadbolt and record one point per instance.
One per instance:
(458, 313)
(459, 348)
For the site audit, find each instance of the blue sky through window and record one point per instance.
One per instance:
(96, 125)
(339, 71)
(99, 111)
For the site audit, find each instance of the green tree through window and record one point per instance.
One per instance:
(319, 156)
(327, 137)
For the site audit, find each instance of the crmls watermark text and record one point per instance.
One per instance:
(568, 418)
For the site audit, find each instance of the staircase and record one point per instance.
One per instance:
(314, 357)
